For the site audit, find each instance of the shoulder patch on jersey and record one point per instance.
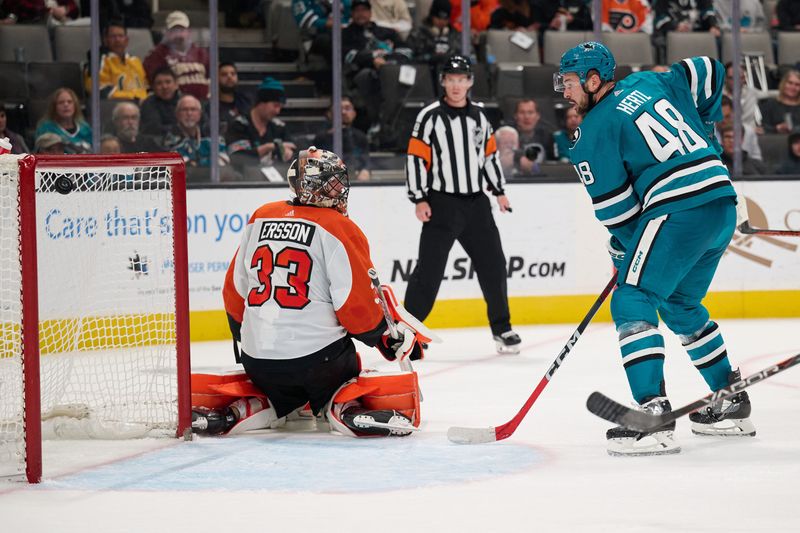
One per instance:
(576, 136)
(477, 138)
(617, 92)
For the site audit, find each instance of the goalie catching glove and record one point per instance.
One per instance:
(406, 345)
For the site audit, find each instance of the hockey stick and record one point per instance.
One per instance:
(405, 363)
(604, 407)
(747, 229)
(462, 435)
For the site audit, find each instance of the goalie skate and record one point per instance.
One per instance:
(507, 343)
(725, 418)
(628, 442)
(382, 423)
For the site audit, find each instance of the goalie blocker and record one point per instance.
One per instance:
(370, 405)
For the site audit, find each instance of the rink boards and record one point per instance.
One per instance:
(555, 252)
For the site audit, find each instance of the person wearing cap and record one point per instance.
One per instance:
(366, 47)
(259, 137)
(49, 143)
(176, 51)
(435, 39)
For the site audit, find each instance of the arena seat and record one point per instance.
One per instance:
(15, 84)
(788, 47)
(32, 40)
(751, 42)
(558, 42)
(629, 48)
(44, 78)
(499, 45)
(72, 43)
(682, 45)
(140, 42)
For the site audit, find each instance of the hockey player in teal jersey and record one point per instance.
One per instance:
(647, 156)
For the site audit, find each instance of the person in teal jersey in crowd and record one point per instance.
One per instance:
(647, 155)
(64, 118)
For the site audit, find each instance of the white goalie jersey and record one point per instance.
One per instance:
(299, 281)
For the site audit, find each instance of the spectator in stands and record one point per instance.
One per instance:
(512, 155)
(64, 118)
(158, 109)
(523, 15)
(49, 143)
(627, 16)
(314, 20)
(125, 119)
(750, 166)
(567, 15)
(534, 135)
(563, 138)
(435, 39)
(791, 165)
(751, 18)
(355, 146)
(366, 48)
(751, 115)
(749, 137)
(18, 145)
(109, 144)
(392, 14)
(782, 113)
(132, 13)
(681, 16)
(176, 51)
(232, 101)
(480, 13)
(121, 75)
(788, 14)
(259, 138)
(187, 137)
(32, 11)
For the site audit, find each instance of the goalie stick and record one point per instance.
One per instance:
(608, 409)
(747, 229)
(463, 435)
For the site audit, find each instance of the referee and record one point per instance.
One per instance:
(451, 155)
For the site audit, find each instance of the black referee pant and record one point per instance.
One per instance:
(468, 219)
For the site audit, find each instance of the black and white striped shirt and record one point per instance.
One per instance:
(452, 150)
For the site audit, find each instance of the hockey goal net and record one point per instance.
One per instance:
(93, 302)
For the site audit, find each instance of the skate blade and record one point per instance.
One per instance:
(507, 350)
(736, 427)
(661, 443)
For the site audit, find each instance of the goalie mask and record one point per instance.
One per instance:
(319, 178)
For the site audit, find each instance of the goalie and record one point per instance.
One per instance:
(296, 293)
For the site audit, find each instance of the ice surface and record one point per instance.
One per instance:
(553, 474)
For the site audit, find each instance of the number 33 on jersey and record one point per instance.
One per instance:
(648, 148)
(301, 278)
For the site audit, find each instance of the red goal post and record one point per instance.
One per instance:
(94, 302)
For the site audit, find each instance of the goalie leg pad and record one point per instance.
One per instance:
(386, 391)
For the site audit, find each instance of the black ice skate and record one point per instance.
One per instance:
(624, 441)
(508, 342)
(726, 418)
(381, 423)
(212, 421)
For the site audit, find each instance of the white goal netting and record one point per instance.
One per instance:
(106, 300)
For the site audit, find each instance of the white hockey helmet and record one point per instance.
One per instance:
(319, 178)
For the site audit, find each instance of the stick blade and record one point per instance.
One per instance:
(608, 409)
(460, 435)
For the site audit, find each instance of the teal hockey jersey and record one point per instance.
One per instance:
(648, 147)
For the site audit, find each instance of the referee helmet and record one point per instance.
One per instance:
(456, 65)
